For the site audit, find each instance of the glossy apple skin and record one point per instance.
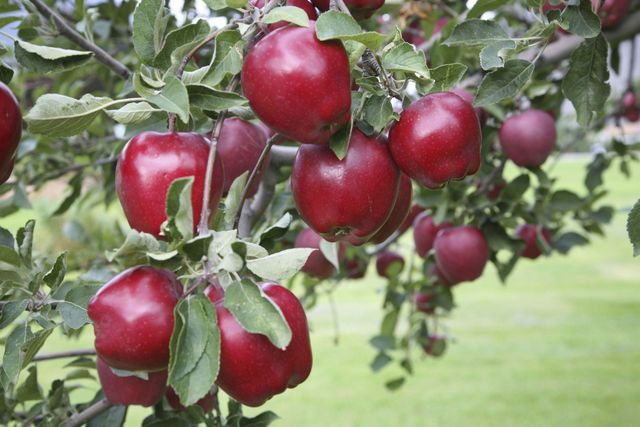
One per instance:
(148, 165)
(131, 390)
(348, 199)
(302, 4)
(132, 318)
(240, 145)
(356, 268)
(207, 403)
(437, 139)
(612, 12)
(10, 131)
(317, 265)
(461, 253)
(360, 9)
(468, 96)
(399, 212)
(424, 232)
(528, 233)
(528, 138)
(414, 211)
(424, 302)
(384, 261)
(252, 370)
(297, 85)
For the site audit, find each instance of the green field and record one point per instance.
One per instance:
(559, 345)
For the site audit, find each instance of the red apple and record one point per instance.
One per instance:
(437, 139)
(252, 370)
(207, 403)
(468, 96)
(239, 147)
(131, 390)
(360, 9)
(408, 221)
(148, 165)
(528, 138)
(413, 33)
(399, 212)
(632, 115)
(348, 199)
(461, 253)
(629, 100)
(356, 268)
(10, 131)
(389, 263)
(435, 345)
(133, 318)
(297, 85)
(317, 265)
(425, 231)
(424, 302)
(302, 4)
(529, 233)
(612, 12)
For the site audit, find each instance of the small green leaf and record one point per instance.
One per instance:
(134, 249)
(378, 112)
(278, 229)
(281, 265)
(179, 42)
(11, 311)
(150, 20)
(581, 20)
(633, 228)
(173, 98)
(331, 250)
(287, 13)
(24, 240)
(227, 58)
(395, 383)
(339, 141)
(447, 76)
(210, 99)
(332, 25)
(566, 241)
(47, 59)
(504, 82)
(55, 276)
(75, 185)
(380, 361)
(262, 420)
(179, 209)
(136, 112)
(404, 57)
(74, 307)
(233, 199)
(477, 32)
(565, 201)
(493, 54)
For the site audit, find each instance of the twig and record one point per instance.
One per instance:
(67, 31)
(266, 191)
(92, 411)
(63, 354)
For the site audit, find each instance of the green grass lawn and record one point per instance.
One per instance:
(558, 346)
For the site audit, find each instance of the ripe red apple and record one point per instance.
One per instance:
(630, 108)
(399, 212)
(302, 4)
(413, 33)
(239, 147)
(131, 390)
(297, 85)
(385, 264)
(528, 138)
(425, 231)
(408, 221)
(612, 12)
(252, 370)
(435, 345)
(468, 96)
(461, 253)
(356, 268)
(348, 199)
(207, 403)
(148, 165)
(437, 139)
(425, 302)
(133, 318)
(360, 9)
(10, 131)
(529, 233)
(317, 265)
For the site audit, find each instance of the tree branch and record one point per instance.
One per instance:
(67, 31)
(92, 411)
(63, 354)
(251, 213)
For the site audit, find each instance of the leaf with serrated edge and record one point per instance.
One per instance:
(281, 265)
(136, 112)
(287, 13)
(504, 82)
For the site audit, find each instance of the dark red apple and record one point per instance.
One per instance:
(389, 263)
(468, 96)
(437, 139)
(461, 253)
(360, 9)
(131, 390)
(632, 115)
(413, 33)
(148, 165)
(348, 199)
(297, 85)
(435, 346)
(528, 138)
(612, 12)
(10, 131)
(317, 265)
(424, 302)
(207, 403)
(424, 232)
(399, 212)
(408, 221)
(529, 233)
(133, 318)
(252, 370)
(356, 268)
(302, 4)
(239, 147)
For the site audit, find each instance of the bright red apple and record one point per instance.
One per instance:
(388, 263)
(529, 233)
(207, 403)
(297, 85)
(437, 139)
(252, 370)
(424, 232)
(148, 165)
(528, 138)
(468, 96)
(399, 212)
(131, 390)
(317, 265)
(132, 318)
(461, 253)
(348, 199)
(10, 131)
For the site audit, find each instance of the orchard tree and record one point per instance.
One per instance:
(266, 149)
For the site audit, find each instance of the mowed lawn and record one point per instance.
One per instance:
(559, 345)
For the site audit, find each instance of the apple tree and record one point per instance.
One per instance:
(228, 163)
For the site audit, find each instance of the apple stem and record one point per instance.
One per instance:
(90, 412)
(172, 122)
(64, 354)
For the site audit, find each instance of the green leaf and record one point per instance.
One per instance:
(29, 389)
(380, 361)
(378, 112)
(278, 229)
(173, 98)
(339, 141)
(395, 383)
(179, 42)
(24, 240)
(136, 112)
(581, 20)
(585, 84)
(74, 307)
(149, 23)
(281, 265)
(565, 201)
(493, 54)
(504, 82)
(262, 420)
(134, 249)
(194, 349)
(13, 357)
(60, 116)
(223, 4)
(9, 256)
(477, 32)
(11, 311)
(233, 200)
(483, 6)
(227, 58)
(332, 25)
(287, 13)
(633, 228)
(6, 73)
(257, 313)
(566, 241)
(179, 209)
(405, 58)
(75, 184)
(46, 59)
(6, 239)
(331, 250)
(55, 276)
(210, 99)
(447, 76)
